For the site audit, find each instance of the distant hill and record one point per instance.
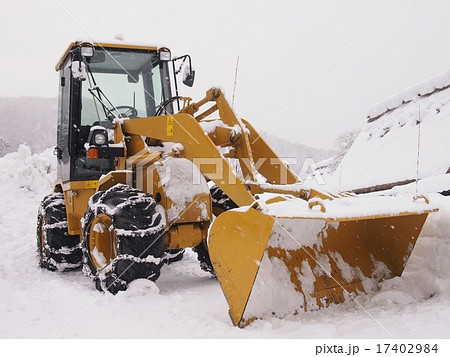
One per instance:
(27, 120)
(302, 155)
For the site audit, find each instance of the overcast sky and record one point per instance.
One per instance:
(308, 70)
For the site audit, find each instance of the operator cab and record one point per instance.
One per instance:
(101, 83)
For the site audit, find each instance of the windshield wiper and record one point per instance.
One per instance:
(97, 93)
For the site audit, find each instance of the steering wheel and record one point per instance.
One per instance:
(125, 111)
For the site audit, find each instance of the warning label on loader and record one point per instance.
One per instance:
(169, 126)
(91, 184)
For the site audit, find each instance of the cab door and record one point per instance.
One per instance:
(63, 132)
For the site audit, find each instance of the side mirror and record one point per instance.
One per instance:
(188, 76)
(188, 72)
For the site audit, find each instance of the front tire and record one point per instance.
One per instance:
(57, 249)
(122, 238)
(220, 203)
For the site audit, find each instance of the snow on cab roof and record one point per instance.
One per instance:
(422, 89)
(108, 44)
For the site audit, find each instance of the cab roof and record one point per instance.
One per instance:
(120, 45)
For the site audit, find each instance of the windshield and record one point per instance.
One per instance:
(128, 79)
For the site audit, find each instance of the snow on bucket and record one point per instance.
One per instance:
(272, 265)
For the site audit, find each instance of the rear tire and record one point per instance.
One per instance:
(173, 255)
(203, 257)
(57, 249)
(220, 203)
(122, 238)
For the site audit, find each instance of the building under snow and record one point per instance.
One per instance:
(406, 137)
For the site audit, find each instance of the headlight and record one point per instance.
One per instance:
(87, 51)
(164, 54)
(100, 139)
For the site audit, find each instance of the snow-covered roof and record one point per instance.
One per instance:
(418, 91)
(387, 149)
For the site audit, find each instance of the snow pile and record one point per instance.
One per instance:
(182, 181)
(35, 173)
(388, 149)
(186, 302)
(427, 274)
(273, 277)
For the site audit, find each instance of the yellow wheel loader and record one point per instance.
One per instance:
(144, 173)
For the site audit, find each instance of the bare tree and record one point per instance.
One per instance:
(344, 142)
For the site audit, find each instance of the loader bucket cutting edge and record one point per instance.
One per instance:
(275, 266)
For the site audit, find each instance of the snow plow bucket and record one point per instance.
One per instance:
(289, 257)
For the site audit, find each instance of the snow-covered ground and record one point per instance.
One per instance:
(187, 302)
